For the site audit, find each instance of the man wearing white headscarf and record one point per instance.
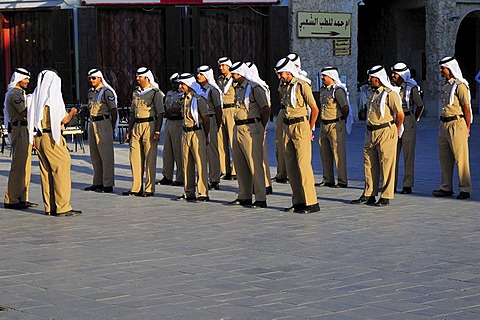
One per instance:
(146, 118)
(384, 124)
(297, 97)
(196, 127)
(172, 140)
(46, 118)
(102, 105)
(206, 79)
(225, 133)
(334, 112)
(455, 119)
(252, 111)
(412, 105)
(15, 115)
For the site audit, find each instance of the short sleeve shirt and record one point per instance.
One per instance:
(332, 100)
(414, 99)
(101, 101)
(392, 106)
(201, 105)
(257, 100)
(229, 96)
(461, 97)
(147, 102)
(16, 104)
(303, 98)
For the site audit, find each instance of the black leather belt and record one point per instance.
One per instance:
(380, 126)
(175, 118)
(46, 130)
(325, 122)
(448, 119)
(189, 129)
(19, 123)
(141, 120)
(247, 121)
(409, 112)
(99, 118)
(230, 105)
(293, 120)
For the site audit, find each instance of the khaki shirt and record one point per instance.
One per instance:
(174, 104)
(106, 103)
(415, 98)
(332, 100)
(257, 98)
(303, 97)
(16, 104)
(461, 98)
(46, 119)
(229, 97)
(213, 98)
(148, 104)
(392, 106)
(187, 109)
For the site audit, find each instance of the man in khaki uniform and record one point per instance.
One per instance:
(251, 116)
(206, 79)
(225, 133)
(172, 141)
(45, 122)
(146, 117)
(454, 131)
(102, 105)
(15, 114)
(196, 127)
(410, 95)
(384, 122)
(281, 176)
(334, 110)
(297, 137)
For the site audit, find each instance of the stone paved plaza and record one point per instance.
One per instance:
(156, 258)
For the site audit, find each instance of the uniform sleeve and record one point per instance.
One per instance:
(202, 106)
(110, 99)
(463, 94)
(415, 97)
(307, 94)
(17, 101)
(341, 97)
(394, 102)
(217, 101)
(158, 102)
(260, 96)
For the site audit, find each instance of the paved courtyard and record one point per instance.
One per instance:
(156, 258)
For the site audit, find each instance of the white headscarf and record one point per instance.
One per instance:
(145, 72)
(402, 70)
(207, 72)
(380, 73)
(333, 74)
(286, 65)
(48, 92)
(18, 75)
(190, 81)
(302, 74)
(256, 78)
(225, 60)
(452, 64)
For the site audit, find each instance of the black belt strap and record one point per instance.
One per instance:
(230, 105)
(141, 120)
(99, 118)
(19, 123)
(175, 118)
(293, 120)
(325, 122)
(448, 119)
(194, 128)
(380, 126)
(409, 112)
(247, 121)
(46, 130)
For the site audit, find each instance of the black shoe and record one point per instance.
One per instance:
(184, 197)
(70, 213)
(105, 190)
(325, 184)
(259, 204)
(94, 187)
(280, 180)
(148, 194)
(202, 199)
(382, 202)
(463, 195)
(406, 190)
(363, 199)
(131, 193)
(299, 206)
(240, 202)
(442, 193)
(308, 209)
(214, 185)
(177, 183)
(269, 190)
(341, 185)
(228, 176)
(165, 182)
(15, 206)
(52, 213)
(29, 204)
(234, 177)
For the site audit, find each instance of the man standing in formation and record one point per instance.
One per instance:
(102, 105)
(410, 95)
(172, 141)
(334, 112)
(251, 116)
(46, 118)
(454, 131)
(15, 114)
(298, 98)
(384, 122)
(146, 117)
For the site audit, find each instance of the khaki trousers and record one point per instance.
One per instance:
(213, 153)
(298, 161)
(172, 149)
(21, 166)
(279, 147)
(100, 140)
(266, 163)
(407, 142)
(248, 156)
(194, 150)
(143, 156)
(333, 150)
(453, 149)
(54, 173)
(225, 144)
(379, 154)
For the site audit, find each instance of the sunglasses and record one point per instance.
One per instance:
(92, 78)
